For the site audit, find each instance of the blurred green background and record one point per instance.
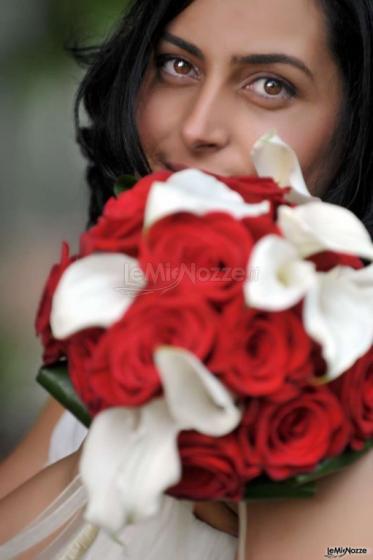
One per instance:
(43, 193)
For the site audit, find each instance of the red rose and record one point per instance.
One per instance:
(80, 348)
(119, 228)
(122, 370)
(266, 354)
(53, 348)
(326, 260)
(260, 226)
(293, 437)
(211, 468)
(208, 252)
(256, 189)
(251, 462)
(355, 391)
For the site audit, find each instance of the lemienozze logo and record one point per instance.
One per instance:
(341, 551)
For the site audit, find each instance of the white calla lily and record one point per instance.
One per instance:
(319, 226)
(129, 459)
(362, 278)
(130, 456)
(338, 305)
(338, 313)
(272, 157)
(196, 398)
(283, 279)
(94, 291)
(193, 191)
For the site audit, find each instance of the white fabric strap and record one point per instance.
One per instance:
(64, 507)
(82, 543)
(242, 516)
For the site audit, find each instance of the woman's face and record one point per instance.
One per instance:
(226, 72)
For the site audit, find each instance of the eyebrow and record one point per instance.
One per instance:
(270, 58)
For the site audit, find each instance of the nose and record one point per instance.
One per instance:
(205, 127)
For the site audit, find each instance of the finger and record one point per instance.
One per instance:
(218, 516)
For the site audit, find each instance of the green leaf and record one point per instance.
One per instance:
(303, 485)
(55, 379)
(124, 183)
(335, 464)
(265, 489)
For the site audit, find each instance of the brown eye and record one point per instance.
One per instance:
(176, 66)
(273, 87)
(181, 67)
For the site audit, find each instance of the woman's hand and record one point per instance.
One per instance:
(218, 515)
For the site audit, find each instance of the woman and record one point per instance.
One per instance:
(195, 83)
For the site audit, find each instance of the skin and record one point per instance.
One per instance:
(207, 109)
(340, 514)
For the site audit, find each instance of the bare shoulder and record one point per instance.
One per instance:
(31, 454)
(341, 514)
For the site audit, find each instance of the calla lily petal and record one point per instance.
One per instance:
(193, 191)
(112, 432)
(194, 181)
(362, 278)
(196, 398)
(282, 279)
(94, 291)
(272, 157)
(130, 457)
(338, 313)
(319, 226)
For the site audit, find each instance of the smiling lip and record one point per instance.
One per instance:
(175, 166)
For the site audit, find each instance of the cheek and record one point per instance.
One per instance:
(149, 125)
(311, 139)
(157, 117)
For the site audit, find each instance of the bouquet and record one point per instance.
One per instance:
(216, 334)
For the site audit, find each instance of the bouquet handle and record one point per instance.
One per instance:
(242, 516)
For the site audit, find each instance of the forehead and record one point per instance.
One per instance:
(234, 27)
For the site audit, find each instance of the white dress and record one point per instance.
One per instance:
(173, 534)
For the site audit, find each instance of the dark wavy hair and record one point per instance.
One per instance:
(115, 70)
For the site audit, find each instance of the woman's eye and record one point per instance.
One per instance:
(273, 88)
(176, 66)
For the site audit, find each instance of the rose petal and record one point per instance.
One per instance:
(319, 226)
(130, 457)
(94, 291)
(338, 313)
(281, 278)
(274, 158)
(196, 398)
(193, 191)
